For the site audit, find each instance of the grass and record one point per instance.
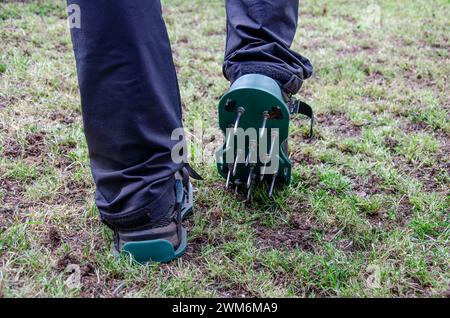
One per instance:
(367, 213)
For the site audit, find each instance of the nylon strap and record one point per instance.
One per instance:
(299, 107)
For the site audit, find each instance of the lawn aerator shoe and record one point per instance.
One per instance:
(166, 239)
(254, 116)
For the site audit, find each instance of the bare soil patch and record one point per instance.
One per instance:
(12, 191)
(295, 234)
(54, 237)
(12, 149)
(354, 50)
(62, 117)
(427, 175)
(6, 101)
(298, 157)
(367, 186)
(339, 124)
(35, 144)
(90, 286)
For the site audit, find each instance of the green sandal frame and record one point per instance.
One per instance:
(161, 250)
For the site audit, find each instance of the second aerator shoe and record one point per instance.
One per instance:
(254, 116)
(165, 239)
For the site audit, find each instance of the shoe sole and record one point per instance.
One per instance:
(161, 251)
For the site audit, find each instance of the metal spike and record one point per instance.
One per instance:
(249, 194)
(272, 185)
(251, 177)
(250, 183)
(272, 145)
(251, 149)
(261, 136)
(229, 137)
(235, 165)
(250, 190)
(274, 135)
(264, 123)
(262, 173)
(240, 112)
(227, 184)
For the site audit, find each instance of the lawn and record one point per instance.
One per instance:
(367, 214)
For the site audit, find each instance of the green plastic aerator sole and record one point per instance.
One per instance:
(160, 251)
(254, 103)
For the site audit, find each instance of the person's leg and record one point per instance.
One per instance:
(131, 104)
(259, 36)
(265, 72)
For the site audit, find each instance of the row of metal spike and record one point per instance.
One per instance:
(249, 161)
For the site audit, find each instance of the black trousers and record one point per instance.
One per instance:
(130, 97)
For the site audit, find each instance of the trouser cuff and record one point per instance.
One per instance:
(148, 214)
(290, 83)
